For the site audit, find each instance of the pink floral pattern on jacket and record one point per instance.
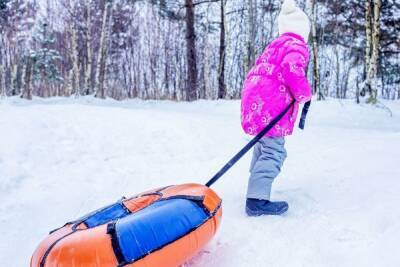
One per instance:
(278, 77)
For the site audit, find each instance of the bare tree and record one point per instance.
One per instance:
(251, 38)
(191, 52)
(103, 50)
(373, 30)
(222, 54)
(27, 93)
(88, 85)
(316, 77)
(75, 72)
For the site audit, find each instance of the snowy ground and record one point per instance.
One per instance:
(62, 158)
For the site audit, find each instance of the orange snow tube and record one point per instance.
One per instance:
(159, 228)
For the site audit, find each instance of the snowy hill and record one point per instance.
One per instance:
(62, 158)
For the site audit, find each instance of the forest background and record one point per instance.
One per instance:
(186, 50)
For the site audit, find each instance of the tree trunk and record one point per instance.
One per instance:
(208, 92)
(27, 94)
(14, 74)
(338, 85)
(2, 65)
(75, 48)
(358, 94)
(73, 85)
(251, 38)
(222, 48)
(2, 82)
(375, 50)
(316, 78)
(373, 29)
(103, 49)
(368, 46)
(17, 85)
(368, 33)
(88, 87)
(191, 92)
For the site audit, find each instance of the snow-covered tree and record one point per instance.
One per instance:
(16, 21)
(186, 50)
(46, 59)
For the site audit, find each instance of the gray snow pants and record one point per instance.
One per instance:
(268, 157)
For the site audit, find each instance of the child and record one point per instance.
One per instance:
(278, 77)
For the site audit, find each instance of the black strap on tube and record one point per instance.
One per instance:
(304, 115)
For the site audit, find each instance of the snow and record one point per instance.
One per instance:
(62, 158)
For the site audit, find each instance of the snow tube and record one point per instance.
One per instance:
(163, 227)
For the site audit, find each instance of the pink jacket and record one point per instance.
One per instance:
(278, 77)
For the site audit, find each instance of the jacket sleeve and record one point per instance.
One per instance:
(294, 67)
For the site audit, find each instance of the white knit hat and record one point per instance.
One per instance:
(293, 19)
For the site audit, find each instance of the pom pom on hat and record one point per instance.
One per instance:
(288, 6)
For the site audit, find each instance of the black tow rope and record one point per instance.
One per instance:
(245, 149)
